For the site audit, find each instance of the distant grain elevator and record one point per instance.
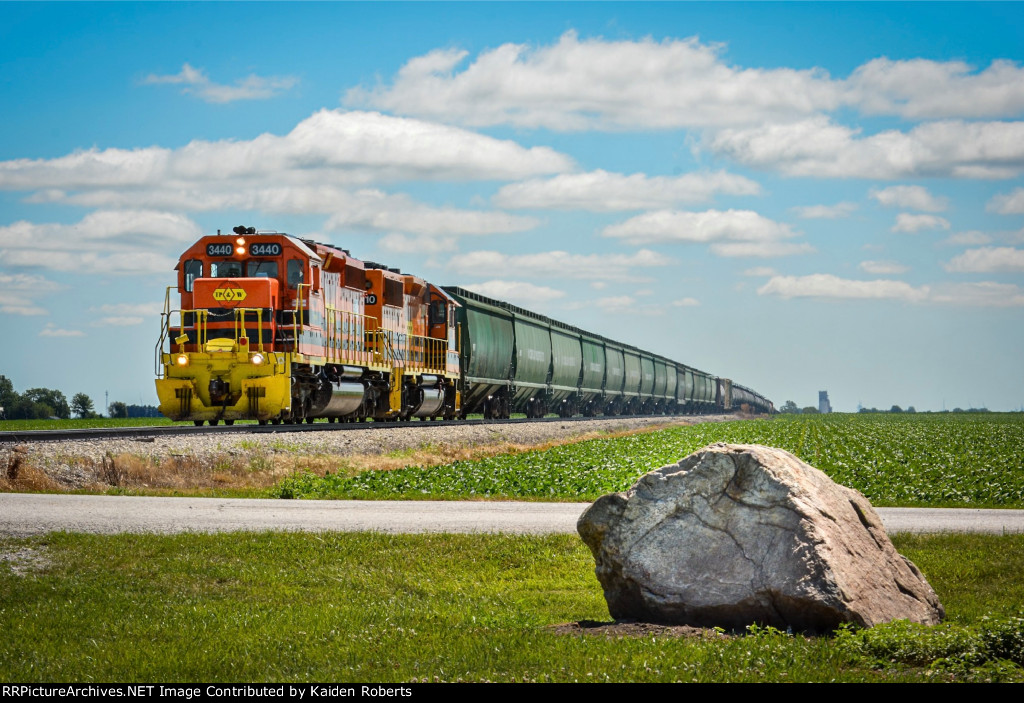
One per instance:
(823, 405)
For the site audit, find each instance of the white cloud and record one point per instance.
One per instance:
(686, 303)
(616, 303)
(824, 285)
(972, 237)
(562, 264)
(883, 268)
(910, 197)
(106, 242)
(119, 321)
(601, 191)
(398, 213)
(626, 305)
(981, 294)
(988, 260)
(761, 250)
(18, 290)
(51, 331)
(516, 292)
(147, 309)
(827, 286)
(299, 172)
(424, 244)
(252, 87)
(708, 226)
(818, 147)
(1011, 203)
(595, 83)
(923, 89)
(598, 84)
(126, 314)
(760, 271)
(19, 304)
(825, 212)
(906, 222)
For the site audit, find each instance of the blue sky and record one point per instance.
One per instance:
(799, 196)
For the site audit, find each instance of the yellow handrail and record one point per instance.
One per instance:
(409, 351)
(335, 334)
(297, 318)
(240, 318)
(165, 323)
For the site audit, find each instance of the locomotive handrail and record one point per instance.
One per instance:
(297, 318)
(165, 320)
(410, 351)
(355, 333)
(240, 319)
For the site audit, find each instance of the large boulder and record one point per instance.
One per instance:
(739, 534)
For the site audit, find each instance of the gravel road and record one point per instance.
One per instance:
(25, 514)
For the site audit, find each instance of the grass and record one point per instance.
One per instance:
(245, 468)
(372, 607)
(100, 422)
(906, 460)
(81, 424)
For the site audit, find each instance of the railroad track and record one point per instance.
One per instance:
(154, 431)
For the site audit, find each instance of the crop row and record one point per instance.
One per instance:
(910, 460)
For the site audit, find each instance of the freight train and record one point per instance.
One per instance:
(277, 328)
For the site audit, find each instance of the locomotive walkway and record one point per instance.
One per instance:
(26, 514)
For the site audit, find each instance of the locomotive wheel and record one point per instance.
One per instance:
(276, 421)
(212, 423)
(197, 423)
(262, 422)
(229, 422)
(309, 420)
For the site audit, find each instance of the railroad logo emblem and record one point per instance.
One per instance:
(229, 294)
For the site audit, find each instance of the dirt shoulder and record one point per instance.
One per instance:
(254, 462)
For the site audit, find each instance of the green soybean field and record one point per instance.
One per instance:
(939, 460)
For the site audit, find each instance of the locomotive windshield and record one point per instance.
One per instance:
(225, 269)
(262, 269)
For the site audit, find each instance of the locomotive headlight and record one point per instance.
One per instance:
(182, 360)
(239, 250)
(257, 359)
(240, 241)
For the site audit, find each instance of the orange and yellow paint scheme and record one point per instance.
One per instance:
(272, 327)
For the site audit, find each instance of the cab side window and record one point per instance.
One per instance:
(438, 308)
(193, 270)
(295, 273)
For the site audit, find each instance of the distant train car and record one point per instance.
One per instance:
(276, 328)
(517, 361)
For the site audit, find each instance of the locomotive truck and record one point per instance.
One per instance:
(277, 328)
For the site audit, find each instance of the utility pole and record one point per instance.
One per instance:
(106, 401)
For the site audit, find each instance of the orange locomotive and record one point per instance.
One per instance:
(277, 328)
